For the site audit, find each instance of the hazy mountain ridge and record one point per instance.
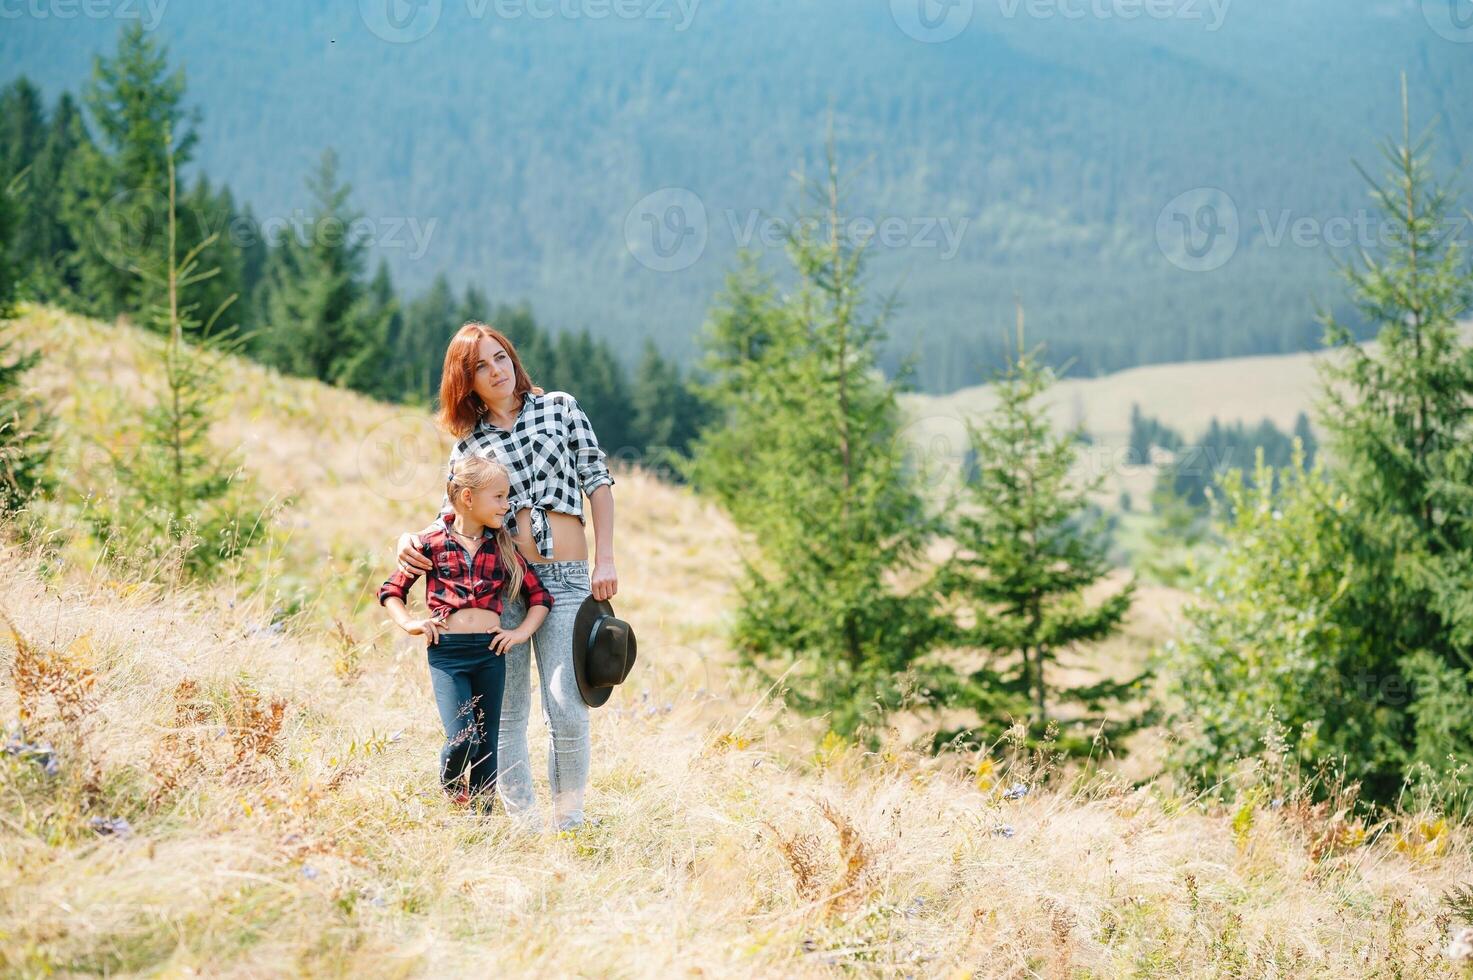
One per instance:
(522, 145)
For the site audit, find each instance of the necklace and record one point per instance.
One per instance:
(467, 538)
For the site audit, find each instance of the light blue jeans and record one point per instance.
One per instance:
(563, 707)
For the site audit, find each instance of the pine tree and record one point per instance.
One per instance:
(22, 133)
(667, 413)
(1260, 647)
(1140, 437)
(22, 126)
(656, 398)
(589, 370)
(805, 458)
(25, 428)
(531, 341)
(95, 268)
(1304, 432)
(1025, 553)
(205, 220)
(175, 493)
(51, 243)
(8, 218)
(320, 321)
(1176, 529)
(117, 189)
(1399, 424)
(474, 307)
(255, 255)
(400, 382)
(24, 424)
(739, 339)
(568, 350)
(1341, 605)
(34, 154)
(430, 320)
(1148, 433)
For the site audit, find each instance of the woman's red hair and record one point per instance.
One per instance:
(460, 406)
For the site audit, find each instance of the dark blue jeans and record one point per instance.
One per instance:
(469, 680)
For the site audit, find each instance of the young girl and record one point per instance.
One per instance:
(474, 570)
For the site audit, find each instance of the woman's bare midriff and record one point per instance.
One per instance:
(569, 543)
(472, 621)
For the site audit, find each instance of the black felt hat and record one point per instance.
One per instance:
(603, 650)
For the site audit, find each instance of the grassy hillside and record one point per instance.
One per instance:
(276, 773)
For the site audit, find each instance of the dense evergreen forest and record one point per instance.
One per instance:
(86, 227)
(1052, 147)
(1191, 469)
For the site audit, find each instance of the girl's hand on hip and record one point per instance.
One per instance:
(605, 581)
(410, 558)
(504, 640)
(429, 628)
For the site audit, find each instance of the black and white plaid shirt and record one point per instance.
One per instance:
(552, 456)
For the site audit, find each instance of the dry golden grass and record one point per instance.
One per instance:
(285, 818)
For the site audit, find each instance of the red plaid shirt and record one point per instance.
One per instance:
(458, 581)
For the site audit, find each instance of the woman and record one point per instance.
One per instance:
(548, 446)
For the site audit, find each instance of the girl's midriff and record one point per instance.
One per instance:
(569, 543)
(472, 621)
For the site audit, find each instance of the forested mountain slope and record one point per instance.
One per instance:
(1035, 155)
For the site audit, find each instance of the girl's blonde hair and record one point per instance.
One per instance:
(477, 473)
